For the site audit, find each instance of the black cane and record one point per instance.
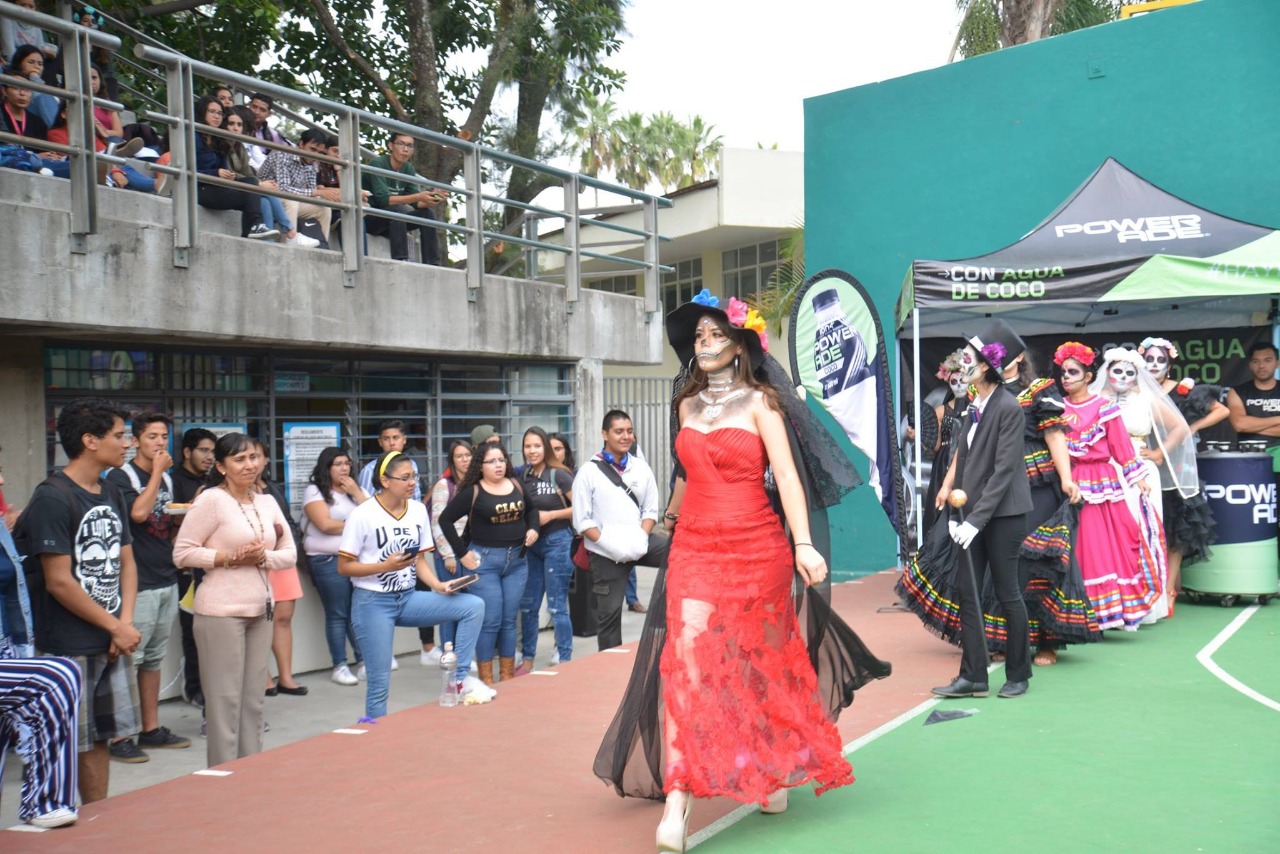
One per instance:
(958, 498)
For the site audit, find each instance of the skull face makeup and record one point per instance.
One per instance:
(970, 366)
(1073, 375)
(1122, 377)
(1157, 363)
(957, 384)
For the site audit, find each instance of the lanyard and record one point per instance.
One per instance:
(19, 129)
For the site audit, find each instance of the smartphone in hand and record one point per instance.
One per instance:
(459, 583)
(412, 551)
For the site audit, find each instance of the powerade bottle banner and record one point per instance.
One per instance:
(839, 354)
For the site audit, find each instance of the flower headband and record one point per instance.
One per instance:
(1074, 350)
(739, 313)
(1163, 343)
(949, 366)
(1123, 354)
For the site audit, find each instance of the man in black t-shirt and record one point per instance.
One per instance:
(1255, 405)
(78, 528)
(147, 490)
(197, 458)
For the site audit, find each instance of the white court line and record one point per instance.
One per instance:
(210, 772)
(725, 822)
(27, 828)
(349, 731)
(618, 649)
(1205, 657)
(544, 673)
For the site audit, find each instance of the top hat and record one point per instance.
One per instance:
(997, 344)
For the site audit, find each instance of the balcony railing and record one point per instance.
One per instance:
(179, 74)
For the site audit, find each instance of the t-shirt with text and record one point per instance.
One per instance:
(372, 535)
(542, 491)
(1260, 404)
(92, 532)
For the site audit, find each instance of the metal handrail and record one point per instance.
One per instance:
(180, 73)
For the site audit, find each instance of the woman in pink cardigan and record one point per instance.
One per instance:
(236, 535)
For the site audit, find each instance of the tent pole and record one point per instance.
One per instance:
(915, 355)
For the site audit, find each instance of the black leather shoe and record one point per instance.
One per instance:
(961, 687)
(1013, 689)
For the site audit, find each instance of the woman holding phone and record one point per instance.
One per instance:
(384, 551)
(503, 526)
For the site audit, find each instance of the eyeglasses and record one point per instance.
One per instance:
(403, 144)
(494, 462)
(406, 479)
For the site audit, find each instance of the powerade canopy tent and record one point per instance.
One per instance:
(1117, 252)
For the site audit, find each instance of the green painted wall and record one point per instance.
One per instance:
(967, 158)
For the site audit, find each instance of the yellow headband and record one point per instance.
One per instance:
(382, 470)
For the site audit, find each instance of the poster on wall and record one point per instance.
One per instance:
(303, 442)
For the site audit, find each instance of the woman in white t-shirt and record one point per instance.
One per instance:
(328, 502)
(384, 550)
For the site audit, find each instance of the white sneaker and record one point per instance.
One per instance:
(474, 669)
(343, 676)
(395, 665)
(555, 658)
(361, 673)
(481, 692)
(431, 659)
(54, 818)
(261, 232)
(302, 240)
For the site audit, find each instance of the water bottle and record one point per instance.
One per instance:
(449, 676)
(839, 355)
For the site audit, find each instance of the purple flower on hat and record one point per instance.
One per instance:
(994, 353)
(704, 297)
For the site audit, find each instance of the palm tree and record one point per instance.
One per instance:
(631, 148)
(588, 127)
(775, 299)
(701, 151)
(989, 25)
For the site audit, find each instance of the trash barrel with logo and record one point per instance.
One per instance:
(1240, 489)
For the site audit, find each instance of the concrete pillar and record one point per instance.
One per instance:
(22, 416)
(590, 408)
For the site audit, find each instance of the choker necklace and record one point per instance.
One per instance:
(714, 406)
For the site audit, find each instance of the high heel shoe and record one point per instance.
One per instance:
(673, 830)
(777, 803)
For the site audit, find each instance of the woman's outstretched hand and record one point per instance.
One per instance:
(810, 564)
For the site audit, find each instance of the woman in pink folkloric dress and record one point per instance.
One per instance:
(1108, 544)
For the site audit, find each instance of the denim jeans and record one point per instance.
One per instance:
(376, 615)
(335, 596)
(502, 572)
(550, 571)
(633, 590)
(448, 629)
(273, 215)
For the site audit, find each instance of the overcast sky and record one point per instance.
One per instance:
(747, 67)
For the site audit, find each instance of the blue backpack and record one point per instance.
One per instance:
(17, 157)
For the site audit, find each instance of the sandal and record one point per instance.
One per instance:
(1045, 657)
(997, 656)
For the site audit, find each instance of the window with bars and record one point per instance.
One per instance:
(746, 270)
(627, 285)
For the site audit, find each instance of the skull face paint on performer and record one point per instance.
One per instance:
(957, 384)
(970, 366)
(1073, 376)
(1157, 363)
(1122, 377)
(712, 347)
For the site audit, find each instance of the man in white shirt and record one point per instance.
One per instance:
(391, 437)
(615, 508)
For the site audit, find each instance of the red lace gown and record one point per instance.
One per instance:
(742, 712)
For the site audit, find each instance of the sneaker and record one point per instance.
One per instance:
(395, 665)
(302, 240)
(266, 727)
(54, 818)
(196, 699)
(431, 659)
(555, 658)
(127, 751)
(126, 149)
(480, 692)
(261, 232)
(343, 676)
(162, 737)
(362, 673)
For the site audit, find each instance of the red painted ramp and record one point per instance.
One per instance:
(513, 775)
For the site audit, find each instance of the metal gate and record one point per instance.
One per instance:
(648, 401)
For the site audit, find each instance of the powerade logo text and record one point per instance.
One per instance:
(1142, 229)
(1000, 282)
(1257, 499)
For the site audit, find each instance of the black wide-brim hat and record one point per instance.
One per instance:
(683, 323)
(997, 332)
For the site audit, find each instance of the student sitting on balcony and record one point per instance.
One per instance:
(403, 197)
(15, 118)
(28, 63)
(274, 215)
(129, 176)
(211, 159)
(295, 173)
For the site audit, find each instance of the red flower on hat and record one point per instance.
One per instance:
(1074, 350)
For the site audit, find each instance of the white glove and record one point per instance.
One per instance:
(964, 534)
(952, 524)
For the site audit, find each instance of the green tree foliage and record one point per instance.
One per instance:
(775, 299)
(989, 25)
(642, 150)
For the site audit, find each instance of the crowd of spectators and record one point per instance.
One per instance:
(29, 53)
